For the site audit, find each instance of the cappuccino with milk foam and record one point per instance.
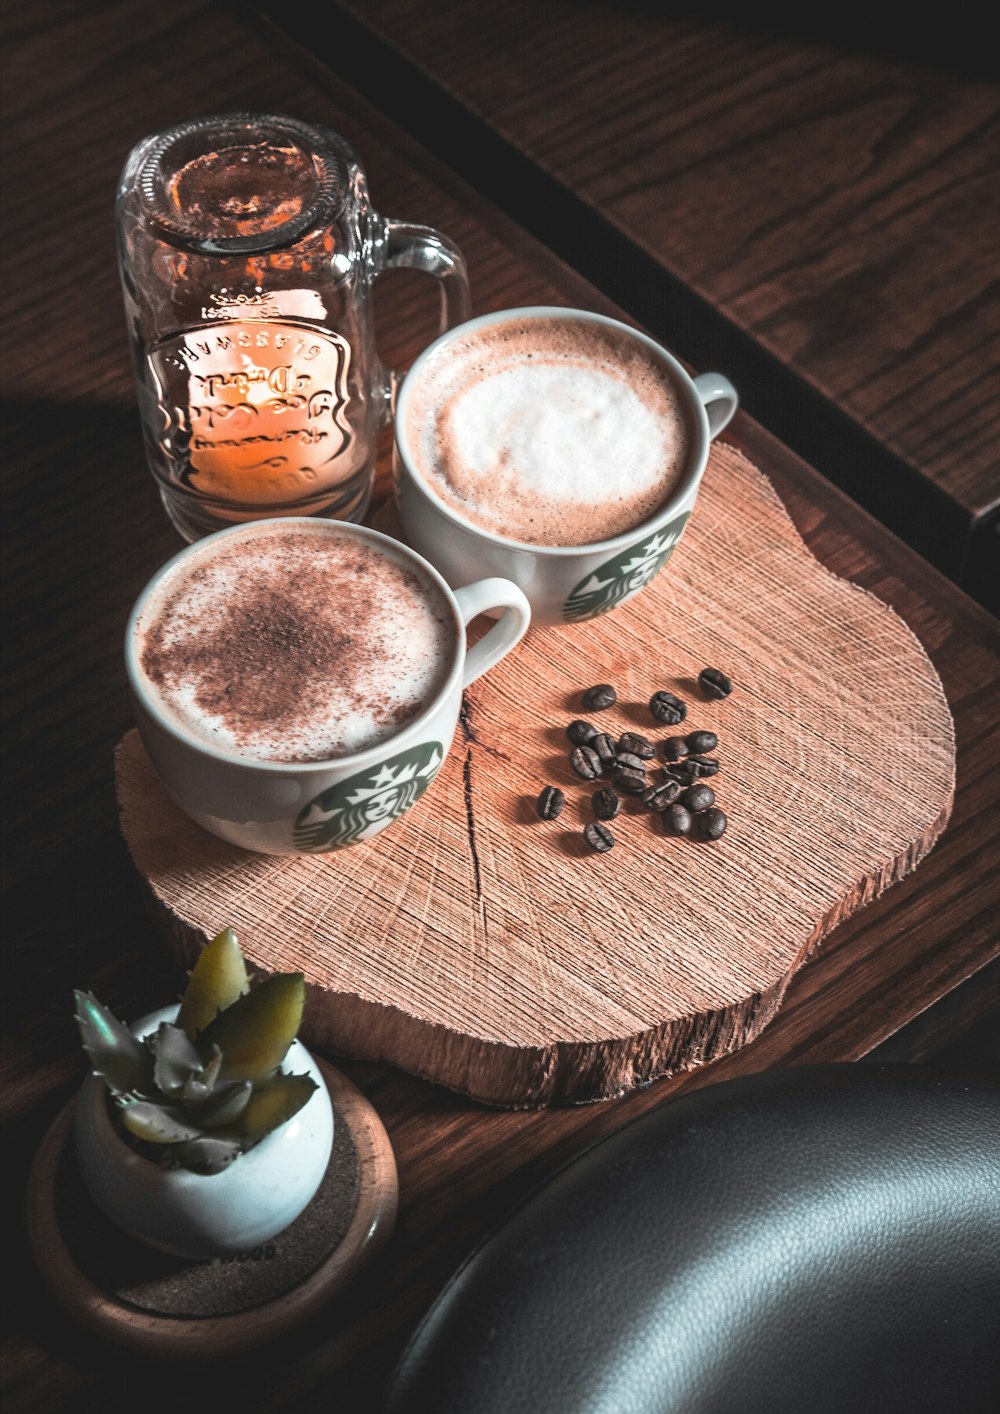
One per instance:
(295, 643)
(554, 432)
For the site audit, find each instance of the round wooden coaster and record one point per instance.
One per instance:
(171, 1306)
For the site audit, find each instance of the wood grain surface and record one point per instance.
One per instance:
(84, 531)
(475, 945)
(824, 184)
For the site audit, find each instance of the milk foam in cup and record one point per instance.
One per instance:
(549, 432)
(556, 447)
(297, 682)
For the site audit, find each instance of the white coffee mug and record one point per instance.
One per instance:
(277, 807)
(564, 584)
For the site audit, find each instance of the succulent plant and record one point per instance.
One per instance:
(200, 1091)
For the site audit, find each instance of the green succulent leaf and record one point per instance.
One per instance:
(255, 1032)
(198, 1087)
(177, 1061)
(273, 1103)
(213, 1067)
(226, 1105)
(206, 1155)
(157, 1124)
(121, 1060)
(218, 978)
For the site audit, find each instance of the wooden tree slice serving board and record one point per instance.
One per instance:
(476, 945)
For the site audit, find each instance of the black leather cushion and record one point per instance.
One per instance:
(824, 1240)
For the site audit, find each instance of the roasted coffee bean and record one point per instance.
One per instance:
(675, 748)
(631, 782)
(607, 803)
(581, 732)
(550, 802)
(682, 771)
(702, 765)
(677, 820)
(698, 797)
(712, 824)
(628, 762)
(636, 745)
(659, 797)
(605, 747)
(700, 742)
(586, 762)
(667, 708)
(599, 837)
(597, 698)
(714, 683)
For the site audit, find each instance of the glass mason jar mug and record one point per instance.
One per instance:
(247, 247)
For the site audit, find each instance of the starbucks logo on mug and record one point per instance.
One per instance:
(624, 575)
(366, 802)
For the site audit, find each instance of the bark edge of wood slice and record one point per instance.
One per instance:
(478, 946)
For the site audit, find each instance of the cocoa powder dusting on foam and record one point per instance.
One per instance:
(263, 662)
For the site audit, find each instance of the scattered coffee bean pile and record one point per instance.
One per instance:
(682, 800)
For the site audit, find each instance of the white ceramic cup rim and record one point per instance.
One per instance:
(685, 382)
(357, 760)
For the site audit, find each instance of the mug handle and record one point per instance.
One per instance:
(719, 398)
(508, 630)
(408, 246)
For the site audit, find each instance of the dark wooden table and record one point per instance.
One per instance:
(809, 200)
(84, 532)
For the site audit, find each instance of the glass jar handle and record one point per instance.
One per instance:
(412, 247)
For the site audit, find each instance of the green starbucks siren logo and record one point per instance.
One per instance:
(619, 578)
(364, 803)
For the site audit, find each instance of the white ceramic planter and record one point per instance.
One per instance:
(199, 1215)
